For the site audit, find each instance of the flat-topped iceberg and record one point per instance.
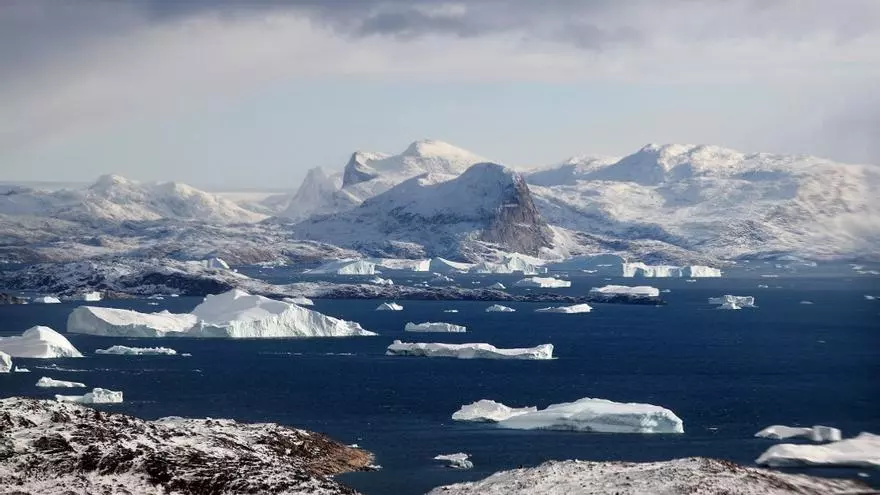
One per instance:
(39, 342)
(625, 290)
(389, 307)
(302, 301)
(816, 433)
(489, 411)
(92, 296)
(20, 370)
(861, 451)
(638, 269)
(431, 326)
(96, 396)
(497, 308)
(233, 314)
(543, 282)
(468, 351)
(733, 302)
(123, 350)
(576, 308)
(5, 362)
(441, 265)
(46, 300)
(587, 414)
(46, 382)
(456, 461)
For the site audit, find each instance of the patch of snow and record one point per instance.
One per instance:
(455, 461)
(817, 433)
(96, 396)
(542, 282)
(137, 351)
(434, 327)
(576, 308)
(497, 308)
(46, 382)
(39, 342)
(301, 301)
(468, 351)
(861, 451)
(389, 307)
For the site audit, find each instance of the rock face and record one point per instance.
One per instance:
(49, 447)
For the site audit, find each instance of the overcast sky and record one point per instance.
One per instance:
(252, 93)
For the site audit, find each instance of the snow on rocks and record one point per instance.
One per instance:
(389, 307)
(5, 362)
(459, 460)
(542, 282)
(861, 451)
(434, 327)
(695, 475)
(96, 396)
(817, 433)
(39, 342)
(46, 300)
(123, 350)
(587, 414)
(301, 301)
(624, 290)
(733, 302)
(46, 382)
(576, 308)
(489, 411)
(468, 351)
(381, 281)
(497, 308)
(345, 267)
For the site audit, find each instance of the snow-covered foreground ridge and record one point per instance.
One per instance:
(233, 314)
(468, 351)
(595, 415)
(695, 475)
(56, 448)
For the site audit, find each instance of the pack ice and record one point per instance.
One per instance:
(39, 342)
(233, 314)
(434, 326)
(468, 351)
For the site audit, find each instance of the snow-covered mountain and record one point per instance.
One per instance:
(117, 199)
(567, 172)
(437, 214)
(720, 202)
(319, 194)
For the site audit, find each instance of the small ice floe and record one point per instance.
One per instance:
(497, 308)
(817, 433)
(434, 326)
(389, 307)
(456, 461)
(46, 382)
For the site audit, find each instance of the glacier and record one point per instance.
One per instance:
(468, 351)
(434, 327)
(817, 433)
(389, 307)
(497, 308)
(137, 351)
(39, 342)
(46, 382)
(860, 451)
(96, 396)
(542, 282)
(576, 308)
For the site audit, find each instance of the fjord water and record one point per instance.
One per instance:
(727, 374)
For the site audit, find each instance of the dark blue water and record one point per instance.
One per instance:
(727, 374)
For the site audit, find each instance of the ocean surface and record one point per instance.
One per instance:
(727, 374)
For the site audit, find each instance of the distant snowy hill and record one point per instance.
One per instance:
(318, 194)
(437, 214)
(117, 199)
(568, 172)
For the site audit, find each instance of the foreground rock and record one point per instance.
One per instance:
(49, 447)
(695, 476)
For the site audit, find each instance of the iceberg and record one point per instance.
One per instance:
(440, 265)
(450, 311)
(233, 314)
(301, 301)
(497, 308)
(700, 271)
(137, 351)
(587, 414)
(614, 290)
(468, 351)
(381, 281)
(455, 461)
(39, 342)
(216, 263)
(20, 370)
(389, 307)
(729, 305)
(638, 269)
(46, 382)
(5, 362)
(512, 263)
(740, 301)
(88, 296)
(400, 264)
(576, 308)
(489, 411)
(817, 433)
(543, 282)
(497, 285)
(345, 267)
(434, 327)
(861, 451)
(46, 300)
(96, 396)
(439, 278)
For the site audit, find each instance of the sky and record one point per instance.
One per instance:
(238, 94)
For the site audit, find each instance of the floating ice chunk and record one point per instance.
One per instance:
(861, 451)
(39, 342)
(346, 267)
(302, 301)
(439, 278)
(690, 280)
(115, 322)
(624, 290)
(741, 301)
(450, 311)
(46, 382)
(46, 300)
(5, 362)
(497, 285)
(88, 296)
(763, 286)
(666, 291)
(729, 305)
(543, 282)
(870, 297)
(576, 308)
(638, 269)
(497, 308)
(489, 411)
(381, 281)
(137, 351)
(598, 415)
(817, 433)
(456, 461)
(389, 307)
(434, 327)
(806, 302)
(700, 271)
(468, 351)
(20, 370)
(96, 396)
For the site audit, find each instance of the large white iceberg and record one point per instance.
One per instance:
(576, 308)
(638, 269)
(96, 396)
(468, 351)
(489, 411)
(123, 350)
(597, 415)
(700, 271)
(46, 300)
(456, 461)
(5, 362)
(88, 296)
(39, 342)
(46, 382)
(431, 326)
(345, 267)
(422, 265)
(733, 302)
(816, 433)
(302, 301)
(543, 282)
(497, 308)
(861, 451)
(389, 307)
(614, 290)
(233, 314)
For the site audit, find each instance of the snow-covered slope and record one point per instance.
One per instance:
(440, 215)
(318, 194)
(117, 199)
(722, 203)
